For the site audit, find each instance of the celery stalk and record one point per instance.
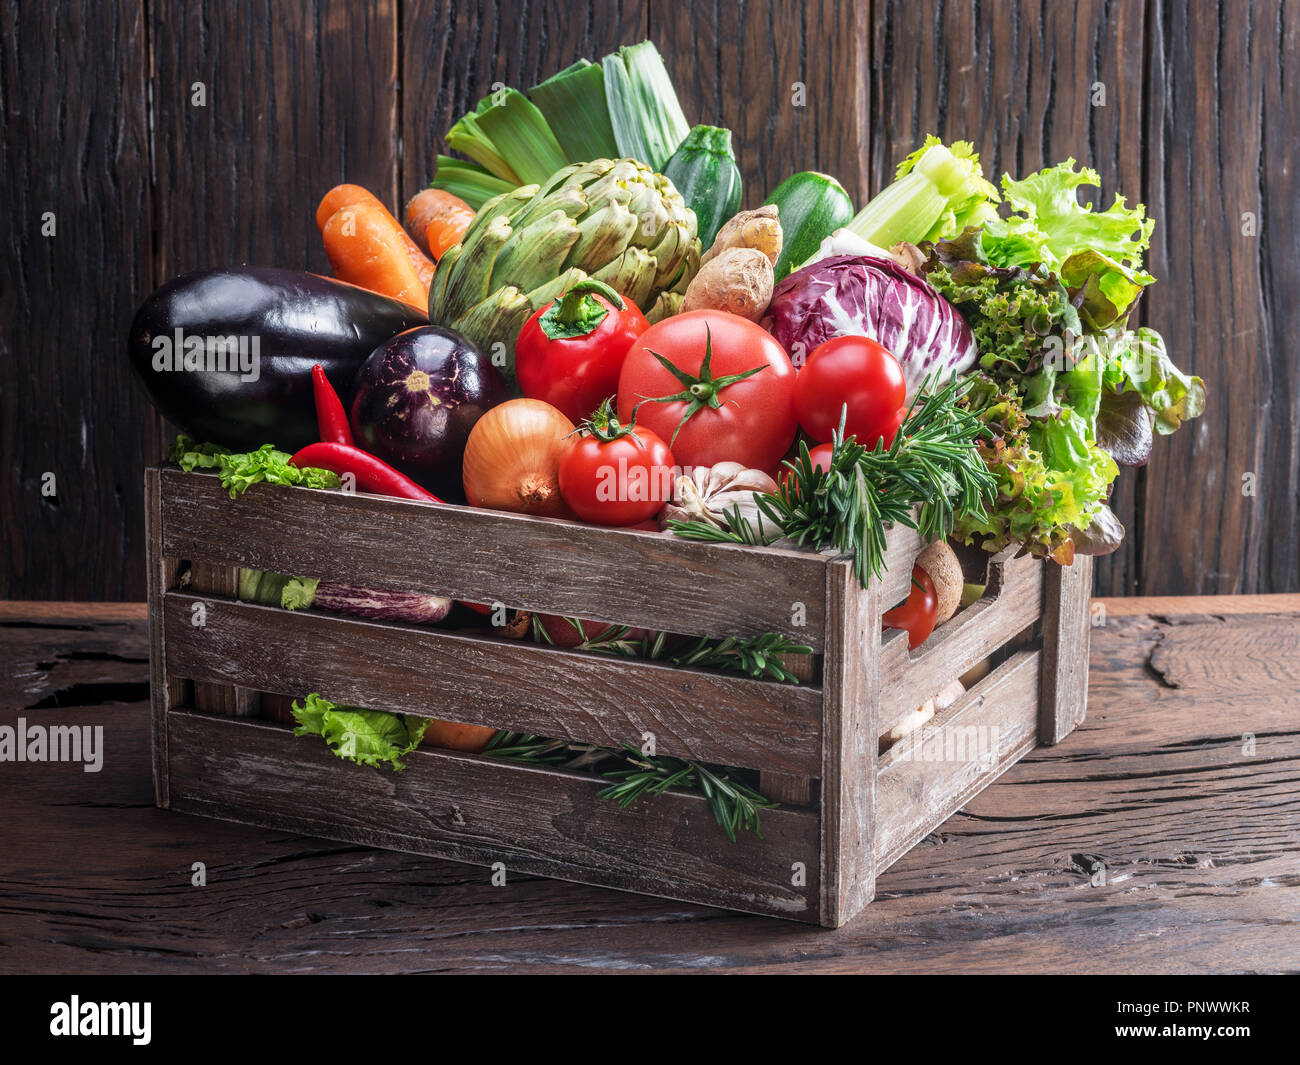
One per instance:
(938, 192)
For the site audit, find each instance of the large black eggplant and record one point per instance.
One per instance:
(226, 355)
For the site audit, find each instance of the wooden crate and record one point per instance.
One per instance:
(847, 814)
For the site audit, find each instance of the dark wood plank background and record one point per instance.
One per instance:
(100, 127)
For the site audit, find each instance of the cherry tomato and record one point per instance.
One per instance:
(453, 736)
(856, 371)
(740, 408)
(917, 614)
(612, 474)
(820, 456)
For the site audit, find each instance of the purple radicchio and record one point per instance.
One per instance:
(864, 295)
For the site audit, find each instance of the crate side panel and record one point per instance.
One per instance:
(645, 579)
(1013, 602)
(1067, 631)
(927, 777)
(467, 809)
(508, 684)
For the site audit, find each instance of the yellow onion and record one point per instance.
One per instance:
(512, 459)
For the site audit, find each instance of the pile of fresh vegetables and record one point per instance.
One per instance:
(577, 321)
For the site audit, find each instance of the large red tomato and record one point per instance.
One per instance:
(727, 377)
(858, 372)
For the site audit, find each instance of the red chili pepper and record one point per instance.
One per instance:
(331, 418)
(917, 614)
(570, 353)
(372, 474)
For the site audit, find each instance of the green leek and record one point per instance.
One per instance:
(573, 103)
(644, 112)
(469, 181)
(939, 191)
(520, 134)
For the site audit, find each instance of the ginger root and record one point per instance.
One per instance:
(739, 280)
(759, 229)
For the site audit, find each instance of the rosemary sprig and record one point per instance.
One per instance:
(735, 531)
(757, 656)
(734, 805)
(929, 474)
(754, 656)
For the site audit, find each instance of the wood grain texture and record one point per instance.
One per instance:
(298, 97)
(930, 774)
(509, 684)
(165, 690)
(452, 55)
(1195, 832)
(485, 556)
(1215, 160)
(1013, 600)
(534, 821)
(787, 78)
(74, 150)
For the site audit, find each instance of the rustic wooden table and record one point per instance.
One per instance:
(1162, 836)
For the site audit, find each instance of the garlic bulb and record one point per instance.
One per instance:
(708, 493)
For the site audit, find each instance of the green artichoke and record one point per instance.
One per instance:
(616, 221)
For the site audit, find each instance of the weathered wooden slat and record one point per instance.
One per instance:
(165, 690)
(926, 778)
(785, 787)
(850, 692)
(221, 697)
(468, 809)
(1067, 625)
(663, 582)
(507, 684)
(1012, 601)
(790, 79)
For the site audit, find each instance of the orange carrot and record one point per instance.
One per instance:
(354, 196)
(437, 220)
(365, 247)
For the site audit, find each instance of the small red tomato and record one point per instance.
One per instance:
(561, 631)
(820, 456)
(858, 372)
(917, 614)
(615, 474)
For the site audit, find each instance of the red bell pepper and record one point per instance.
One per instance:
(570, 352)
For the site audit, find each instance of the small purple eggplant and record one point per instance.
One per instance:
(416, 399)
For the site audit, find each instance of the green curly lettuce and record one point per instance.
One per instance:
(367, 737)
(1019, 315)
(1052, 481)
(239, 471)
(1096, 254)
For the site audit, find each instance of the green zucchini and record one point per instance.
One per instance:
(812, 206)
(704, 171)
